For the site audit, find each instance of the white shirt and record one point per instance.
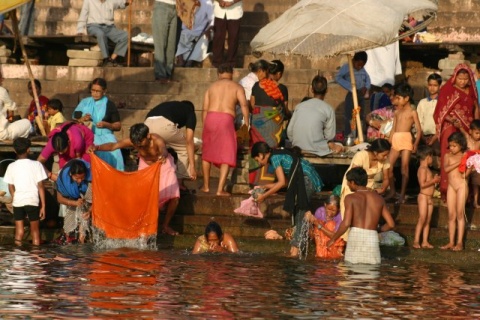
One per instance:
(98, 12)
(234, 12)
(25, 174)
(425, 110)
(383, 64)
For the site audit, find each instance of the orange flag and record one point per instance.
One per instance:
(125, 204)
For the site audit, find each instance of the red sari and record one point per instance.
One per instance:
(453, 102)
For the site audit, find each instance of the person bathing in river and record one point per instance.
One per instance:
(214, 240)
(363, 209)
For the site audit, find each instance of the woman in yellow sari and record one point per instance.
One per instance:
(374, 160)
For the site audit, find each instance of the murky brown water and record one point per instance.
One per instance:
(126, 283)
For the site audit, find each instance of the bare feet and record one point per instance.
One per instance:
(223, 194)
(293, 252)
(458, 247)
(447, 246)
(206, 190)
(427, 245)
(416, 245)
(169, 231)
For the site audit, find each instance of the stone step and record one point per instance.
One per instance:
(456, 34)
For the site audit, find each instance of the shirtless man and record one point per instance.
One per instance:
(151, 148)
(219, 137)
(363, 209)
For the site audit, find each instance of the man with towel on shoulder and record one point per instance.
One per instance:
(363, 209)
(219, 137)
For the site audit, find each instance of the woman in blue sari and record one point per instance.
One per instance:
(104, 118)
(74, 194)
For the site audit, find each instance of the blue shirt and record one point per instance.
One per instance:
(362, 79)
(285, 161)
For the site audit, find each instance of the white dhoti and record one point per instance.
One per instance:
(18, 129)
(186, 45)
(363, 246)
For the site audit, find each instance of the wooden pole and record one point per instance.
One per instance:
(355, 99)
(129, 47)
(39, 119)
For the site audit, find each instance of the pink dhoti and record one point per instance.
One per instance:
(168, 187)
(219, 139)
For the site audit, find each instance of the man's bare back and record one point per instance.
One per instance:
(366, 207)
(224, 95)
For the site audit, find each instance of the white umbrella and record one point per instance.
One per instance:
(325, 28)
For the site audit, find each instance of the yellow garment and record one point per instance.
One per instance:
(360, 159)
(8, 5)
(55, 120)
(124, 206)
(402, 141)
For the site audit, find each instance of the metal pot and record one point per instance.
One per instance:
(349, 141)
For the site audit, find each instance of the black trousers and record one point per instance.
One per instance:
(221, 28)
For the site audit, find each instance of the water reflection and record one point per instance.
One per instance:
(126, 283)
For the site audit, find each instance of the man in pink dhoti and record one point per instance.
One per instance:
(219, 137)
(151, 148)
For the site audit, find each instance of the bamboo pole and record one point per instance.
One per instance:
(355, 99)
(39, 118)
(129, 34)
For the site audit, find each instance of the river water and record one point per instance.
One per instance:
(81, 282)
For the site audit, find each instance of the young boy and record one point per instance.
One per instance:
(25, 183)
(473, 143)
(426, 181)
(362, 82)
(55, 115)
(363, 209)
(401, 137)
(425, 110)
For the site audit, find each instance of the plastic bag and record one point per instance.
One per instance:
(391, 238)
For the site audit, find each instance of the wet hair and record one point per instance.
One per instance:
(458, 138)
(319, 85)
(263, 148)
(463, 71)
(259, 65)
(424, 151)
(60, 139)
(138, 132)
(360, 56)
(55, 104)
(225, 68)
(189, 103)
(213, 226)
(475, 124)
(436, 77)
(21, 145)
(358, 175)
(38, 85)
(333, 199)
(99, 82)
(77, 167)
(379, 145)
(404, 90)
(276, 66)
(478, 66)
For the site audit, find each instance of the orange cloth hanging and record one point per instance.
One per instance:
(125, 204)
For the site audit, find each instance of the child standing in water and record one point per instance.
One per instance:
(426, 181)
(25, 183)
(457, 191)
(401, 137)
